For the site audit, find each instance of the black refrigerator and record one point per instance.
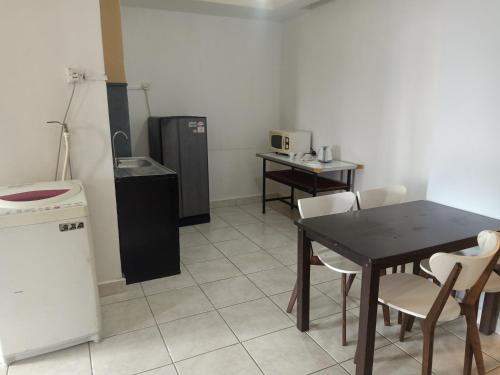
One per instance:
(180, 144)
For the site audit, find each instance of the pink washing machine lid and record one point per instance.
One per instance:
(35, 195)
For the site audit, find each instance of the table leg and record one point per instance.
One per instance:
(489, 316)
(292, 191)
(315, 187)
(349, 180)
(367, 319)
(263, 186)
(303, 280)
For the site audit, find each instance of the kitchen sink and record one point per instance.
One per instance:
(138, 166)
(126, 163)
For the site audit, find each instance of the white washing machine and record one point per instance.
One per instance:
(48, 289)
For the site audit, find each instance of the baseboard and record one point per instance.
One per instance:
(238, 201)
(108, 288)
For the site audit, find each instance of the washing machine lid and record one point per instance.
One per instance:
(42, 194)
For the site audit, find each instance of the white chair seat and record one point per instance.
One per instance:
(337, 262)
(492, 285)
(414, 295)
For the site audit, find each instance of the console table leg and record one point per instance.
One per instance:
(263, 186)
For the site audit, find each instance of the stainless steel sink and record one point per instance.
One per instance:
(126, 163)
(139, 166)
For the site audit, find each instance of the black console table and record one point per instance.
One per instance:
(307, 176)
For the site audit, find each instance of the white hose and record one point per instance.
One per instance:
(66, 155)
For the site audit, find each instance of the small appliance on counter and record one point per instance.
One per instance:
(48, 288)
(180, 144)
(147, 205)
(288, 142)
(325, 154)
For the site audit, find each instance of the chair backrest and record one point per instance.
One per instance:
(326, 204)
(485, 242)
(381, 197)
(472, 266)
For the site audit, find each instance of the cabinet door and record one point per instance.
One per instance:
(193, 166)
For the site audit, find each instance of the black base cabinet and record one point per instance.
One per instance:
(149, 226)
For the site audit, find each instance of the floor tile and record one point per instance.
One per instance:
(232, 209)
(490, 344)
(237, 247)
(222, 234)
(288, 352)
(390, 332)
(334, 370)
(285, 226)
(448, 353)
(254, 262)
(165, 370)
(390, 360)
(320, 305)
(327, 332)
(239, 218)
(271, 241)
(163, 284)
(126, 316)
(179, 303)
(333, 290)
(74, 361)
(132, 291)
(495, 371)
(192, 239)
(274, 281)
(215, 223)
(233, 360)
(195, 335)
(255, 318)
(229, 292)
(189, 229)
(213, 270)
(129, 353)
(255, 229)
(272, 218)
(287, 255)
(200, 253)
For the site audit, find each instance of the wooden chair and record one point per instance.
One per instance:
(416, 297)
(328, 205)
(491, 289)
(381, 197)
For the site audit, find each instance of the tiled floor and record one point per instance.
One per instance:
(225, 314)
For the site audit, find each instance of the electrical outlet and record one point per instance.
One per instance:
(145, 85)
(74, 75)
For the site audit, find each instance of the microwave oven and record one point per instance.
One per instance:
(288, 141)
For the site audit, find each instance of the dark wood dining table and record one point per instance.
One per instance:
(381, 238)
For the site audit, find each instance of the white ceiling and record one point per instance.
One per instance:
(268, 9)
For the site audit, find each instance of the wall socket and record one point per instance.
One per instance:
(75, 75)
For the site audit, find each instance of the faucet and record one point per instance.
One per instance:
(115, 160)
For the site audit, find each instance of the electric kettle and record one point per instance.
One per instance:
(325, 154)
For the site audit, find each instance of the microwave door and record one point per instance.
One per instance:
(277, 141)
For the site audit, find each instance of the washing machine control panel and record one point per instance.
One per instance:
(40, 209)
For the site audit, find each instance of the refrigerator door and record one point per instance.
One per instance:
(194, 166)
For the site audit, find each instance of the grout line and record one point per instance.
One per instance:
(90, 359)
(159, 331)
(226, 323)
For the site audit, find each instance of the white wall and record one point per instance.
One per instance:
(227, 69)
(38, 40)
(466, 145)
(361, 75)
(408, 88)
